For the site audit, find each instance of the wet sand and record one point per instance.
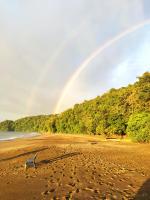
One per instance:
(74, 167)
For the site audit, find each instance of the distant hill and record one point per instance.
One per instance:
(119, 111)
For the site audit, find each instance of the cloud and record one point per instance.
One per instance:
(42, 43)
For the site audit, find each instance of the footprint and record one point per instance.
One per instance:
(77, 190)
(72, 184)
(45, 192)
(52, 190)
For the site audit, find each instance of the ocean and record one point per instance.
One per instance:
(14, 135)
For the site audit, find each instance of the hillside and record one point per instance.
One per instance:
(119, 111)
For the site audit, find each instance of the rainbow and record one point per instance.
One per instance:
(97, 52)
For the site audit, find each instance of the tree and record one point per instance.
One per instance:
(117, 124)
(7, 125)
(139, 127)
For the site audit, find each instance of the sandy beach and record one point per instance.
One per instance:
(74, 167)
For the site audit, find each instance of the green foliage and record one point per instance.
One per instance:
(41, 123)
(7, 125)
(101, 129)
(105, 115)
(117, 124)
(139, 127)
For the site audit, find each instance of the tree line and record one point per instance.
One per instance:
(123, 111)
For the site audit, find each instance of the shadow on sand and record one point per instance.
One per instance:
(24, 154)
(57, 158)
(144, 192)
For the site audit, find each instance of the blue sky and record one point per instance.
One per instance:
(44, 42)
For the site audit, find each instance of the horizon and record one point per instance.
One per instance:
(52, 55)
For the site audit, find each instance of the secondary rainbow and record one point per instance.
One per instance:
(48, 65)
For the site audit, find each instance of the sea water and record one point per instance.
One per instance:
(14, 135)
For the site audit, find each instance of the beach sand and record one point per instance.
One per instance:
(74, 167)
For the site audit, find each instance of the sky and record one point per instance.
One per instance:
(44, 44)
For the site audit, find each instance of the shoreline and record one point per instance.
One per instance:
(21, 135)
(21, 142)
